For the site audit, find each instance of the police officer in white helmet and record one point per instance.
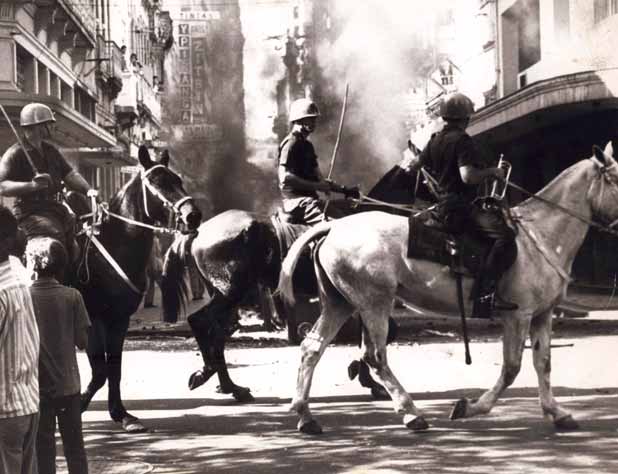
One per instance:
(299, 173)
(454, 161)
(36, 185)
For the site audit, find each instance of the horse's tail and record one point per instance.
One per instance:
(173, 287)
(286, 287)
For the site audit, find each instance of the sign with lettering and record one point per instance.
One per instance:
(200, 15)
(201, 132)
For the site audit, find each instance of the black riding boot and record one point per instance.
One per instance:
(487, 301)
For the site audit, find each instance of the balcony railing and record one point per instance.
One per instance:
(149, 99)
(126, 102)
(113, 61)
(137, 93)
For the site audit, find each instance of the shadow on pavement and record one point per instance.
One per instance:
(362, 436)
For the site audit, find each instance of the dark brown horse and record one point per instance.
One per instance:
(113, 295)
(237, 251)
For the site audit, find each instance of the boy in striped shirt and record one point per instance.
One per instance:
(19, 359)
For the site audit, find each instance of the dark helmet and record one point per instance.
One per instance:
(35, 113)
(303, 108)
(456, 106)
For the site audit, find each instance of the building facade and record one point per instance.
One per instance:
(556, 88)
(67, 55)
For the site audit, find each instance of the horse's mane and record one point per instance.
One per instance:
(125, 194)
(555, 186)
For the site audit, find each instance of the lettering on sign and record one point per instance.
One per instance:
(185, 79)
(185, 92)
(201, 132)
(199, 29)
(184, 54)
(183, 41)
(200, 15)
(183, 28)
(185, 116)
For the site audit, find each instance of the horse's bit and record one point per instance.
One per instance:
(146, 184)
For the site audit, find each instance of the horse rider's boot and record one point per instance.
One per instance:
(485, 306)
(503, 305)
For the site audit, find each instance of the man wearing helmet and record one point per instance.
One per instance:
(38, 207)
(298, 170)
(453, 160)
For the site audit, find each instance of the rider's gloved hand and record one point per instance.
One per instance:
(42, 181)
(352, 192)
(348, 192)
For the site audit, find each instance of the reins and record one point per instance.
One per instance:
(602, 227)
(90, 230)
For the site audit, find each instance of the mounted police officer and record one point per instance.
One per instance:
(299, 174)
(36, 183)
(453, 160)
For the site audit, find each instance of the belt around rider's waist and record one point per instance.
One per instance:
(56, 197)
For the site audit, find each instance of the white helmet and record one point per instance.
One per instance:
(35, 113)
(303, 108)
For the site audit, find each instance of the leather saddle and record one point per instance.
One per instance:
(430, 239)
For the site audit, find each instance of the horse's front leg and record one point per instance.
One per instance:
(116, 332)
(208, 326)
(515, 331)
(98, 365)
(540, 339)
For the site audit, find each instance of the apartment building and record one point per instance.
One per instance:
(556, 87)
(67, 55)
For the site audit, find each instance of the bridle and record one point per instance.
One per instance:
(147, 185)
(604, 176)
(92, 231)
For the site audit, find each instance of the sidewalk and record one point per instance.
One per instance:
(413, 325)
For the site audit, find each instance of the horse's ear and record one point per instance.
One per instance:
(144, 157)
(165, 158)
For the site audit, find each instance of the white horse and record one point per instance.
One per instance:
(362, 266)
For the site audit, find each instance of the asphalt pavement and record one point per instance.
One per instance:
(203, 431)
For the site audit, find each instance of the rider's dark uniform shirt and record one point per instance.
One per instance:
(15, 167)
(297, 155)
(447, 151)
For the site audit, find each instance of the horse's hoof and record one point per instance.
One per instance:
(132, 425)
(196, 379)
(243, 395)
(353, 369)
(566, 423)
(199, 378)
(378, 392)
(311, 428)
(459, 410)
(84, 402)
(415, 423)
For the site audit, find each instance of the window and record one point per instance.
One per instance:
(528, 33)
(604, 8)
(84, 104)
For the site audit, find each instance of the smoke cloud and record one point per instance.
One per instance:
(382, 49)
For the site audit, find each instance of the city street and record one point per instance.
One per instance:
(204, 431)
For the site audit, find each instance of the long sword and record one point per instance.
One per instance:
(334, 157)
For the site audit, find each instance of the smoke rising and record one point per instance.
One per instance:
(382, 49)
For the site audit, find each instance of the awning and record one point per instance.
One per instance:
(545, 103)
(73, 130)
(113, 156)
